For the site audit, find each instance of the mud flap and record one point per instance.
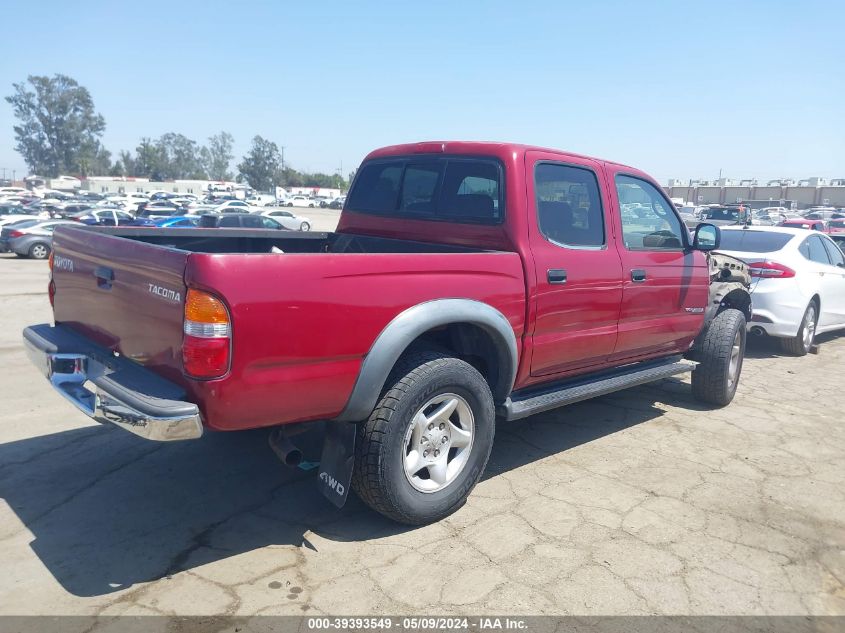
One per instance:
(337, 461)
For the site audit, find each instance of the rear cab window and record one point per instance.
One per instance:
(443, 188)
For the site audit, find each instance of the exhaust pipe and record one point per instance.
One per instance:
(285, 450)
(758, 331)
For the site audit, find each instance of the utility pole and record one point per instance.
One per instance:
(282, 147)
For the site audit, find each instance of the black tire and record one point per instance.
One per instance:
(379, 477)
(39, 250)
(798, 345)
(305, 226)
(713, 381)
(290, 204)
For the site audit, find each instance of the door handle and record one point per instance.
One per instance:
(556, 276)
(638, 274)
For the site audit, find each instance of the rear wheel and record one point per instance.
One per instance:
(305, 226)
(801, 343)
(722, 351)
(425, 445)
(39, 250)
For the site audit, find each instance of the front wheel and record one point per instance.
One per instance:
(801, 343)
(425, 445)
(305, 226)
(720, 359)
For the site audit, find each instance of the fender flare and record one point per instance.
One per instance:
(407, 326)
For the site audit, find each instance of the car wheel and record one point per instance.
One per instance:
(720, 358)
(290, 204)
(425, 445)
(801, 343)
(305, 226)
(39, 250)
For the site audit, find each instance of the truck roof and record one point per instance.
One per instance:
(479, 147)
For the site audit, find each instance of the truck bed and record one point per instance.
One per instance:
(212, 240)
(302, 321)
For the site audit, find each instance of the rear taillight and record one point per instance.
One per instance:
(770, 270)
(51, 287)
(208, 332)
(16, 233)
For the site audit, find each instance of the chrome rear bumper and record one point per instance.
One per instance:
(111, 389)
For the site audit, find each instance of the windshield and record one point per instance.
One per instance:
(750, 241)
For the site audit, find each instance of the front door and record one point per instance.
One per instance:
(666, 283)
(578, 272)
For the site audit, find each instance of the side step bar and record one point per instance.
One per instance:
(585, 388)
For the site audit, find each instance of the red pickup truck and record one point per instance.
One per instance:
(465, 282)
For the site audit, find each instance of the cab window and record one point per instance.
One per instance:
(648, 220)
(569, 210)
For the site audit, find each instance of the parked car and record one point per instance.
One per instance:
(178, 221)
(239, 221)
(301, 201)
(34, 241)
(289, 220)
(432, 310)
(234, 206)
(159, 210)
(802, 223)
(836, 226)
(725, 215)
(799, 288)
(110, 217)
(337, 203)
(820, 213)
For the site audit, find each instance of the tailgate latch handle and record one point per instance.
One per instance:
(105, 276)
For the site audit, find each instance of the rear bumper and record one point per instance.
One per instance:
(111, 389)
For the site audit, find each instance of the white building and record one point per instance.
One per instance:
(109, 184)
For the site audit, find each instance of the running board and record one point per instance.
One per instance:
(586, 388)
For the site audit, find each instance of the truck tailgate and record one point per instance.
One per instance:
(124, 294)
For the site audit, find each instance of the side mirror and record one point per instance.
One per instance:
(707, 237)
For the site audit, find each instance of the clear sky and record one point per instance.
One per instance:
(679, 89)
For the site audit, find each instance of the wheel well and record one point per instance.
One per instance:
(472, 344)
(818, 301)
(739, 300)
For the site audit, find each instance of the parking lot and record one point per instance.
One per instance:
(641, 502)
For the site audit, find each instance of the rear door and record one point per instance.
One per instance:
(578, 270)
(125, 294)
(666, 283)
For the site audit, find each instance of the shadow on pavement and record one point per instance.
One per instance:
(107, 510)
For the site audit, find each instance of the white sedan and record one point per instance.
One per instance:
(289, 220)
(798, 282)
(301, 201)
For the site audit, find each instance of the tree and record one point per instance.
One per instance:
(126, 164)
(261, 165)
(180, 156)
(217, 156)
(58, 129)
(149, 161)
